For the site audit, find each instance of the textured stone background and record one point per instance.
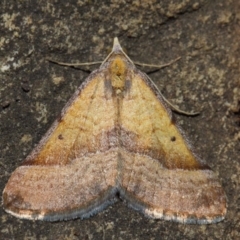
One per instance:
(33, 91)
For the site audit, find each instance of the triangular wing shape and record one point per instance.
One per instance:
(161, 176)
(72, 171)
(115, 135)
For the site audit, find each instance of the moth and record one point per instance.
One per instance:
(116, 136)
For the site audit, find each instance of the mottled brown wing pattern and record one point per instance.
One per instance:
(115, 135)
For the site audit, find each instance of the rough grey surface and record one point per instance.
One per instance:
(33, 92)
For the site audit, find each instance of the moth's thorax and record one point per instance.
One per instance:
(118, 72)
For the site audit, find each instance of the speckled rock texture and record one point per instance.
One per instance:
(206, 78)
